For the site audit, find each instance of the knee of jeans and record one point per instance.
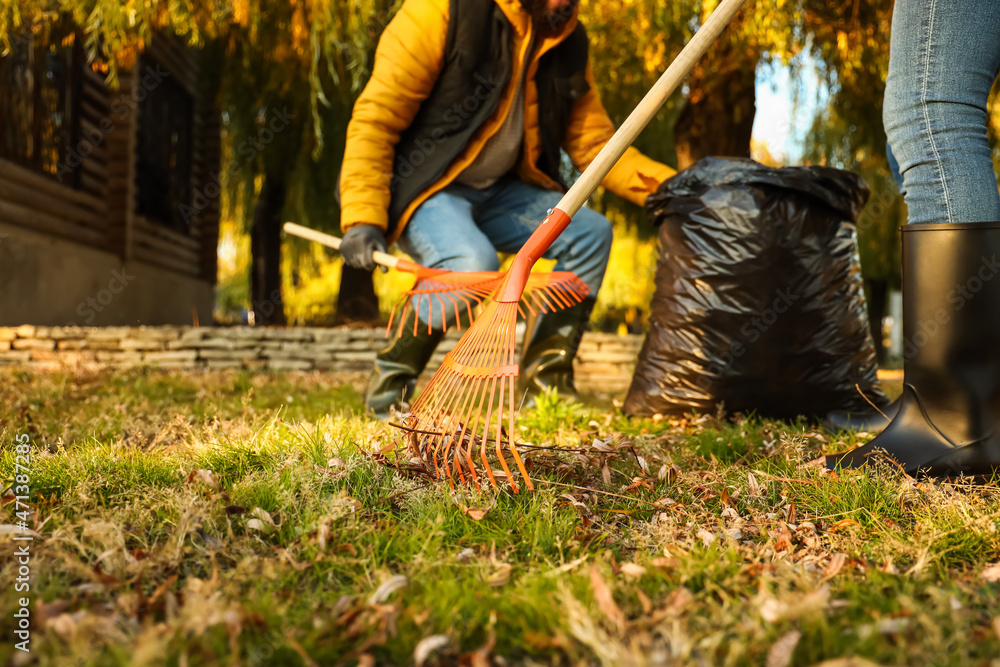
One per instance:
(472, 257)
(902, 117)
(595, 229)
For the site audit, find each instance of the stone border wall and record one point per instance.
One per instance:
(605, 361)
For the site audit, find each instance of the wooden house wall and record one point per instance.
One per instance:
(101, 212)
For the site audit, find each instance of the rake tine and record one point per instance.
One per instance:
(499, 441)
(510, 441)
(486, 436)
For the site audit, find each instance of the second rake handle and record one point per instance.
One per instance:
(330, 241)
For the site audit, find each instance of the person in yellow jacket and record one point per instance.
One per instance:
(454, 151)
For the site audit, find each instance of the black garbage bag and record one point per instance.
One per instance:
(759, 303)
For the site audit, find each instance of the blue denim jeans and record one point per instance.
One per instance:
(943, 59)
(461, 229)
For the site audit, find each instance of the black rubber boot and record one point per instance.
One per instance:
(398, 366)
(868, 421)
(549, 352)
(949, 418)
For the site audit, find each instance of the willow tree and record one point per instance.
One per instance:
(289, 70)
(632, 42)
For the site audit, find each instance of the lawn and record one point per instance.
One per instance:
(246, 518)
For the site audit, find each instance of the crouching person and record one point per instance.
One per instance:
(454, 151)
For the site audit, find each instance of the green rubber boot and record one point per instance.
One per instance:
(548, 356)
(398, 366)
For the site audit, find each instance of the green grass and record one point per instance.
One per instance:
(224, 518)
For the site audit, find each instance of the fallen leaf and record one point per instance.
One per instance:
(10, 529)
(605, 601)
(633, 571)
(568, 566)
(258, 525)
(501, 577)
(996, 626)
(835, 565)
(706, 537)
(783, 538)
(752, 486)
(388, 587)
(991, 574)
(647, 604)
(429, 645)
(781, 652)
(205, 477)
(322, 535)
(886, 626)
(847, 662)
(605, 445)
(843, 523)
(261, 515)
(476, 513)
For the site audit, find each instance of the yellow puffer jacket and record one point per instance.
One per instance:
(408, 59)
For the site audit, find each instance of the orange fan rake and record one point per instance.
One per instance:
(466, 411)
(458, 293)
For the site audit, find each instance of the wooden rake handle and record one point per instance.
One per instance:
(574, 199)
(330, 241)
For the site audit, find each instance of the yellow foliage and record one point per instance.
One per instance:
(241, 12)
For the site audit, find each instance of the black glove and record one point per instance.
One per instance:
(358, 244)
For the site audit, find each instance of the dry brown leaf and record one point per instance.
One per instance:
(647, 604)
(781, 652)
(752, 486)
(388, 587)
(991, 574)
(835, 565)
(783, 538)
(706, 537)
(605, 601)
(843, 523)
(258, 525)
(206, 477)
(322, 535)
(632, 571)
(666, 563)
(501, 577)
(996, 626)
(429, 645)
(262, 515)
(476, 513)
(11, 529)
(848, 662)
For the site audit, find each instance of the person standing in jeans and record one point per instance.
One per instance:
(944, 57)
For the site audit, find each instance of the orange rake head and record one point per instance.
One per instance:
(440, 296)
(466, 412)
(467, 409)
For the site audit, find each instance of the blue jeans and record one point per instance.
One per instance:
(461, 229)
(943, 59)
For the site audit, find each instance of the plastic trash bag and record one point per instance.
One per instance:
(759, 303)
